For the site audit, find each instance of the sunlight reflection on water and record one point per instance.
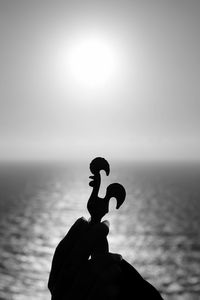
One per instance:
(157, 228)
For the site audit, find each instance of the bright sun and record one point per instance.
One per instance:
(92, 62)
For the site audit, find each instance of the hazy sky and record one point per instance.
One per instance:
(148, 108)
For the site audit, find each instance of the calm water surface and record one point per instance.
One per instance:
(157, 229)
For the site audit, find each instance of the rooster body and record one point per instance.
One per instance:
(97, 206)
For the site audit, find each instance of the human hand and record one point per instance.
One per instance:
(82, 267)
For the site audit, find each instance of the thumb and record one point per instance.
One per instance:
(100, 245)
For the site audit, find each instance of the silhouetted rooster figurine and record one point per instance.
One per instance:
(97, 206)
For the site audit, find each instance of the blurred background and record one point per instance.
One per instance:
(118, 79)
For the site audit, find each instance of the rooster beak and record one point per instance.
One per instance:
(91, 183)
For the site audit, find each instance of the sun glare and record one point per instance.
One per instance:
(92, 62)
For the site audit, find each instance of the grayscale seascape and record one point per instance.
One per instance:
(157, 229)
(113, 79)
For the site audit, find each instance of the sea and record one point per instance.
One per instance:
(157, 229)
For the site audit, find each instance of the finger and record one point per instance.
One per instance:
(100, 245)
(74, 233)
(64, 248)
(90, 241)
(68, 259)
(78, 255)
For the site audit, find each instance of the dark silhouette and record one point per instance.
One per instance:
(83, 267)
(98, 207)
